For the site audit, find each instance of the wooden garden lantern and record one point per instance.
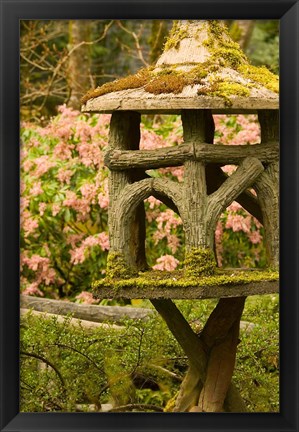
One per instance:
(201, 72)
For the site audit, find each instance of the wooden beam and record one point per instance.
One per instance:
(194, 292)
(118, 160)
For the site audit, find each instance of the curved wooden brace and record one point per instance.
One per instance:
(122, 211)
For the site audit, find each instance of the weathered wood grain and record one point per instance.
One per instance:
(177, 155)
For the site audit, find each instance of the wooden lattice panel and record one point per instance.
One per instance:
(197, 200)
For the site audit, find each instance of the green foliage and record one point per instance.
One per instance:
(104, 365)
(263, 48)
(257, 367)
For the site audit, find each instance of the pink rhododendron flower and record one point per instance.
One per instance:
(89, 191)
(42, 207)
(78, 255)
(255, 237)
(177, 172)
(90, 154)
(42, 266)
(23, 154)
(173, 242)
(56, 207)
(27, 165)
(86, 297)
(43, 164)
(64, 175)
(24, 202)
(229, 169)
(103, 196)
(33, 290)
(238, 223)
(166, 262)
(103, 240)
(234, 207)
(36, 189)
(68, 112)
(153, 202)
(149, 140)
(80, 205)
(28, 223)
(73, 239)
(63, 150)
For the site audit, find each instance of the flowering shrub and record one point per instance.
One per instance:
(64, 201)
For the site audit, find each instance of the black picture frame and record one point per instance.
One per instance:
(287, 11)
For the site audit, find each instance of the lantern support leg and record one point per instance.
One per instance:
(221, 328)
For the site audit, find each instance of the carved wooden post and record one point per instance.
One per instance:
(267, 187)
(125, 135)
(195, 188)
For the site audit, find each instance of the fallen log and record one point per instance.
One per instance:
(84, 312)
(73, 321)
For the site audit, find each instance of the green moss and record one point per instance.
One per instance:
(199, 262)
(179, 279)
(177, 33)
(169, 83)
(261, 75)
(129, 82)
(225, 89)
(117, 268)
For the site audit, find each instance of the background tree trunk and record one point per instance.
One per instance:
(79, 61)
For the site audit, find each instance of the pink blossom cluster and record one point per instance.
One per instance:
(177, 172)
(36, 189)
(81, 205)
(246, 130)
(149, 140)
(166, 263)
(28, 223)
(63, 150)
(44, 273)
(80, 254)
(89, 192)
(238, 222)
(42, 165)
(64, 175)
(56, 207)
(167, 222)
(103, 196)
(86, 297)
(90, 154)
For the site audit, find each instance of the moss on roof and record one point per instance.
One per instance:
(224, 53)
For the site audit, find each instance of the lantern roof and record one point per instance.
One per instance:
(201, 67)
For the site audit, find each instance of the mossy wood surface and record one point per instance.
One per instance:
(200, 67)
(175, 285)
